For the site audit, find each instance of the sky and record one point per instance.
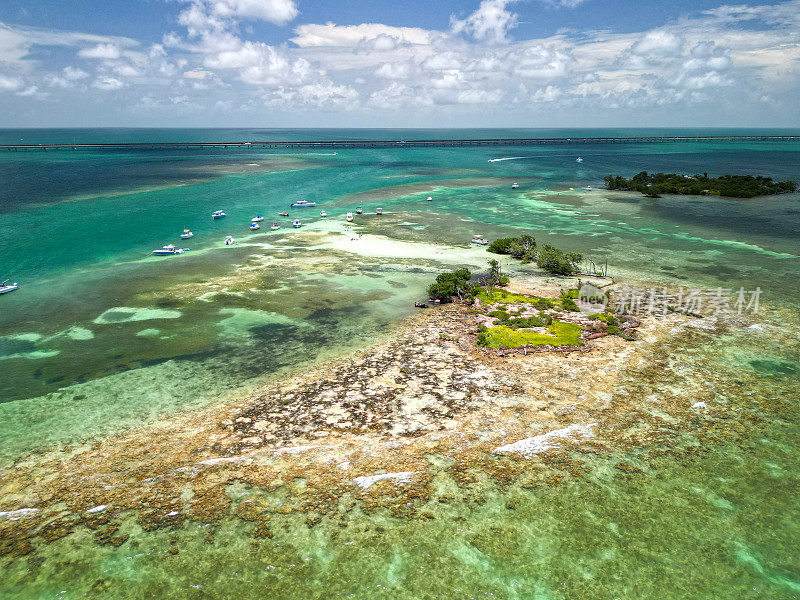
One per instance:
(399, 63)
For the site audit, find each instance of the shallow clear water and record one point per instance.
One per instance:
(103, 336)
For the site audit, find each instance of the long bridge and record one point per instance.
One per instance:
(432, 143)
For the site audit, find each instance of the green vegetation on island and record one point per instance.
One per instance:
(547, 257)
(733, 186)
(558, 334)
(512, 320)
(453, 284)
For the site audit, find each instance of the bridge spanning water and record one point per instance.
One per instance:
(432, 143)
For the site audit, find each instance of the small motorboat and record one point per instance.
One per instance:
(514, 185)
(169, 250)
(275, 226)
(349, 217)
(322, 213)
(579, 160)
(257, 219)
(229, 241)
(296, 223)
(378, 211)
(6, 287)
(480, 240)
(254, 226)
(304, 204)
(359, 210)
(430, 198)
(187, 234)
(284, 214)
(218, 214)
(588, 188)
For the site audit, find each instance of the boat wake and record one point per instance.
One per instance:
(506, 158)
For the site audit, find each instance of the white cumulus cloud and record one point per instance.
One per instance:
(489, 23)
(330, 34)
(107, 83)
(106, 51)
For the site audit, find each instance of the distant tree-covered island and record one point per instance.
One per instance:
(733, 186)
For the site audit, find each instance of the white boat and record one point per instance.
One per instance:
(480, 240)
(296, 223)
(284, 214)
(514, 185)
(254, 226)
(229, 240)
(187, 234)
(378, 211)
(322, 213)
(349, 217)
(303, 204)
(257, 219)
(218, 214)
(359, 210)
(6, 287)
(275, 226)
(579, 159)
(169, 250)
(430, 199)
(588, 188)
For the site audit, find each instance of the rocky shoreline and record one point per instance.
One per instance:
(423, 419)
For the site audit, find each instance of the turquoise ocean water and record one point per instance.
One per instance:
(103, 336)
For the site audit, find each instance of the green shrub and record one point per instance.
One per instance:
(608, 319)
(567, 303)
(518, 247)
(501, 245)
(543, 303)
(558, 262)
(500, 314)
(448, 285)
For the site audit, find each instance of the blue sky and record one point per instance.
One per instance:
(290, 63)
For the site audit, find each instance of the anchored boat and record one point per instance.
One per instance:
(322, 213)
(359, 210)
(187, 234)
(514, 185)
(218, 214)
(378, 211)
(480, 240)
(229, 241)
(275, 226)
(296, 223)
(303, 204)
(349, 217)
(254, 226)
(579, 160)
(6, 287)
(257, 219)
(169, 250)
(284, 214)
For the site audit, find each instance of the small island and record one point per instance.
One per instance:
(732, 186)
(510, 321)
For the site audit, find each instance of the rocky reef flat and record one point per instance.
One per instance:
(426, 418)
